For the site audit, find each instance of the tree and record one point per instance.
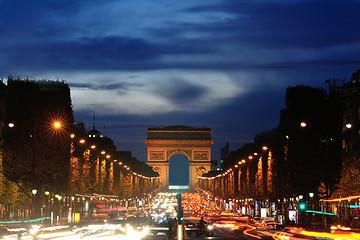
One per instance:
(36, 154)
(313, 151)
(259, 179)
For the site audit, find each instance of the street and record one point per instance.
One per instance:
(152, 222)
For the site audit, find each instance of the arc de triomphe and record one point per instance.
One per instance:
(194, 143)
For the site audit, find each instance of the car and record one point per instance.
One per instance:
(190, 227)
(271, 225)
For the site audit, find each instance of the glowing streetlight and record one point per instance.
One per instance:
(57, 125)
(103, 152)
(108, 156)
(250, 157)
(311, 194)
(265, 148)
(34, 192)
(93, 147)
(82, 141)
(303, 124)
(72, 135)
(348, 125)
(11, 125)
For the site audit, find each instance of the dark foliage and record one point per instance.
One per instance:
(36, 154)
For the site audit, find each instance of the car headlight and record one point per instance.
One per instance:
(210, 227)
(34, 229)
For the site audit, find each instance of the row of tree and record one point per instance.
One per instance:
(306, 153)
(39, 151)
(98, 167)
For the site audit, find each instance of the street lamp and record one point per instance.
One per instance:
(34, 192)
(303, 124)
(47, 193)
(311, 195)
(57, 125)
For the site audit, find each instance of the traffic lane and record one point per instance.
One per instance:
(246, 233)
(254, 233)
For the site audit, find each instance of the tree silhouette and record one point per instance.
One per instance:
(35, 153)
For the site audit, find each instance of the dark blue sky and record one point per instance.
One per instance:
(223, 64)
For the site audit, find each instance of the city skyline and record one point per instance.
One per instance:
(218, 64)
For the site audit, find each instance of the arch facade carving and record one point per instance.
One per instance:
(194, 143)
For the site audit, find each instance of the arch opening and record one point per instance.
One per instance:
(178, 173)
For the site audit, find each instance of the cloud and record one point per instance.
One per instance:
(114, 86)
(216, 35)
(157, 92)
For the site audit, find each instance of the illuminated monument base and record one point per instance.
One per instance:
(194, 143)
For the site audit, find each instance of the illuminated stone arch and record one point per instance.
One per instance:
(172, 153)
(194, 143)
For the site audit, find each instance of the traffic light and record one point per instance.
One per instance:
(302, 206)
(179, 209)
(180, 215)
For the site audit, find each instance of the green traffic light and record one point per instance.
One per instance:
(302, 206)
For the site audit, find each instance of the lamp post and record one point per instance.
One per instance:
(48, 204)
(311, 195)
(34, 192)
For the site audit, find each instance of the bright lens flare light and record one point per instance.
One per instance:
(57, 124)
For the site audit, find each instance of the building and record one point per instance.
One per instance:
(2, 110)
(351, 118)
